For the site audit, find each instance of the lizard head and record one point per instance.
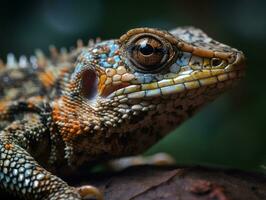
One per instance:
(149, 81)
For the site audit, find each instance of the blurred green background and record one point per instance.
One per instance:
(228, 132)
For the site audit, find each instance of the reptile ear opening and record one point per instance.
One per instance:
(89, 83)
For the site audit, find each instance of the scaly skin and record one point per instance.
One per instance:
(106, 100)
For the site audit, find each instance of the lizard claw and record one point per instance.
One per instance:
(88, 191)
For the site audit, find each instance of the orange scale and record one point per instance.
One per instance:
(3, 106)
(102, 79)
(8, 146)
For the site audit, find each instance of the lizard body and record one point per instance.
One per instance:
(106, 100)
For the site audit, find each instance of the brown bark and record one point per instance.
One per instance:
(190, 183)
(171, 183)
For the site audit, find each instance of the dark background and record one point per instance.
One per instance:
(228, 132)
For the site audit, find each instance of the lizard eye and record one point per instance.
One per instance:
(149, 53)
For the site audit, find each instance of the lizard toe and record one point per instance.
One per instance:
(88, 191)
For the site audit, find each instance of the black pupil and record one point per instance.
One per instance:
(146, 49)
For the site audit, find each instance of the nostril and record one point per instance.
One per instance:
(216, 62)
(89, 83)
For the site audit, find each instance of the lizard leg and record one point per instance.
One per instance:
(20, 174)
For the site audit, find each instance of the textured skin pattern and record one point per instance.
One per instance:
(106, 100)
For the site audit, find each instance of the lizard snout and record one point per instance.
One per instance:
(239, 63)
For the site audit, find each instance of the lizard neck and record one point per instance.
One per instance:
(73, 119)
(79, 127)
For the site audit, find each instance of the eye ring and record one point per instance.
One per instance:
(149, 52)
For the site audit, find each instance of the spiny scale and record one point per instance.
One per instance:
(40, 60)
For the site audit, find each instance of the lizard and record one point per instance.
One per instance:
(108, 99)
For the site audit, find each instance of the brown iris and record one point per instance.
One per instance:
(148, 53)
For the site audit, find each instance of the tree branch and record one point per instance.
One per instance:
(171, 183)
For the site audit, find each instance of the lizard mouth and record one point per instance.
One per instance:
(179, 84)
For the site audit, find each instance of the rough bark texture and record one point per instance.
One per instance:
(169, 183)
